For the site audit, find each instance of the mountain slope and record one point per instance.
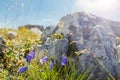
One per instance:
(81, 19)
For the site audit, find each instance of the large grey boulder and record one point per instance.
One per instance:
(92, 33)
(89, 40)
(47, 33)
(54, 50)
(101, 46)
(57, 49)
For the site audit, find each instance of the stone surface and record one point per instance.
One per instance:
(41, 50)
(118, 53)
(90, 32)
(54, 50)
(57, 49)
(47, 33)
(36, 30)
(100, 45)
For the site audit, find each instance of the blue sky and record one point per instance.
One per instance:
(48, 12)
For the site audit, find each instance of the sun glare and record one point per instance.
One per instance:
(105, 5)
(98, 5)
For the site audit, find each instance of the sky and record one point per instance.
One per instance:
(14, 13)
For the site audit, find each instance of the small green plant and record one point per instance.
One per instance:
(57, 36)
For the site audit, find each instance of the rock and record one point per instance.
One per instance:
(97, 53)
(11, 35)
(118, 53)
(2, 46)
(54, 50)
(115, 26)
(57, 49)
(100, 45)
(47, 33)
(85, 22)
(41, 50)
(36, 30)
(40, 27)
(87, 31)
(89, 40)
(87, 60)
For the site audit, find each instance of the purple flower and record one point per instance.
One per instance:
(64, 61)
(45, 59)
(51, 64)
(32, 54)
(28, 58)
(23, 69)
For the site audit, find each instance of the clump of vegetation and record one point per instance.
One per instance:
(58, 36)
(16, 50)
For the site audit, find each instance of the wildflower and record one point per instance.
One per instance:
(32, 54)
(28, 58)
(41, 71)
(51, 64)
(23, 69)
(41, 61)
(45, 59)
(64, 61)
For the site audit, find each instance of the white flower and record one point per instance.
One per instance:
(41, 61)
